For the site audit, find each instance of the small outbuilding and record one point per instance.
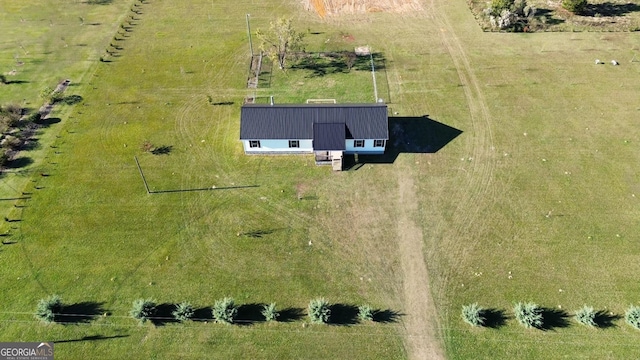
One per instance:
(326, 130)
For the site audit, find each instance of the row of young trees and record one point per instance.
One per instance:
(224, 311)
(531, 315)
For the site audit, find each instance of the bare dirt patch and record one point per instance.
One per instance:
(338, 7)
(421, 320)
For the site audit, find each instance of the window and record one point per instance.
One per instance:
(378, 143)
(294, 143)
(358, 143)
(254, 143)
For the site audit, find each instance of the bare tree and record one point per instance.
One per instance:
(280, 41)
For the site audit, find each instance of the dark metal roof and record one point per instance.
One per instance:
(328, 136)
(295, 121)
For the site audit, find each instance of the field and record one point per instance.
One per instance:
(510, 177)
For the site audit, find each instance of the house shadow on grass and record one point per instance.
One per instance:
(79, 313)
(249, 314)
(290, 314)
(606, 320)
(164, 314)
(411, 135)
(494, 318)
(553, 319)
(343, 314)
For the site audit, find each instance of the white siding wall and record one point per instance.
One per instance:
(278, 147)
(367, 149)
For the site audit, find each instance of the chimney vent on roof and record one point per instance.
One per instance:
(271, 100)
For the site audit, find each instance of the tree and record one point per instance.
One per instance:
(528, 315)
(586, 316)
(319, 311)
(365, 313)
(143, 310)
(499, 5)
(575, 6)
(514, 15)
(269, 312)
(48, 308)
(224, 311)
(473, 314)
(280, 41)
(183, 312)
(632, 316)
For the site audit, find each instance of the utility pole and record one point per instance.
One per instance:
(249, 33)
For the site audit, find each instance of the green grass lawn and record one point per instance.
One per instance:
(91, 233)
(542, 188)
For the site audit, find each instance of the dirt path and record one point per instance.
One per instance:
(423, 340)
(420, 322)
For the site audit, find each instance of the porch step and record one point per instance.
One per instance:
(337, 164)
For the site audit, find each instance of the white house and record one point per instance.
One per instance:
(328, 130)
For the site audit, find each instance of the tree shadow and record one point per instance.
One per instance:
(163, 314)
(290, 314)
(203, 314)
(19, 162)
(548, 15)
(554, 318)
(411, 135)
(343, 314)
(30, 144)
(606, 320)
(494, 318)
(98, 2)
(162, 150)
(46, 122)
(223, 103)
(79, 313)
(72, 99)
(249, 314)
(609, 9)
(386, 316)
(321, 64)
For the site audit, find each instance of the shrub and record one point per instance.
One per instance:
(13, 142)
(499, 5)
(48, 308)
(183, 312)
(3, 79)
(34, 117)
(586, 316)
(319, 311)
(472, 314)
(143, 310)
(632, 316)
(575, 6)
(528, 315)
(269, 312)
(365, 313)
(4, 156)
(224, 311)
